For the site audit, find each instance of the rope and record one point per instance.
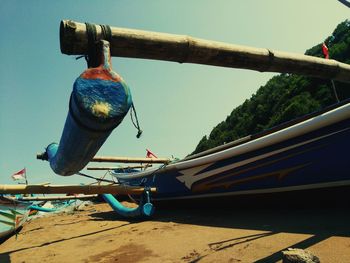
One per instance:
(136, 124)
(106, 32)
(153, 174)
(335, 91)
(91, 58)
(132, 199)
(97, 179)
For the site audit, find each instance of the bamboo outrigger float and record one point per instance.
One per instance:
(56, 198)
(77, 189)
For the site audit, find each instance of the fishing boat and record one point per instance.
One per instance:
(12, 215)
(304, 154)
(301, 155)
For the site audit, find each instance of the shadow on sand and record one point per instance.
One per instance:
(320, 220)
(5, 257)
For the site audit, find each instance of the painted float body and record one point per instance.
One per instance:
(99, 101)
(308, 154)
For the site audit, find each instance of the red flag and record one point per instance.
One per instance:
(19, 175)
(150, 154)
(325, 51)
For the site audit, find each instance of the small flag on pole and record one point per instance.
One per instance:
(325, 51)
(150, 154)
(326, 56)
(19, 175)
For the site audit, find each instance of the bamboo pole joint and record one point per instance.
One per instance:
(186, 49)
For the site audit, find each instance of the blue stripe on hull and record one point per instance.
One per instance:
(316, 159)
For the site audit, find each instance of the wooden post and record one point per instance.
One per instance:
(111, 159)
(185, 49)
(56, 198)
(77, 189)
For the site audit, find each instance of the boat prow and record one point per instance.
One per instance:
(304, 154)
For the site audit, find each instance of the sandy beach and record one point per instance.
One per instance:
(97, 234)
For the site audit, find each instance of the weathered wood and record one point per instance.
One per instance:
(53, 198)
(185, 49)
(110, 159)
(118, 168)
(77, 189)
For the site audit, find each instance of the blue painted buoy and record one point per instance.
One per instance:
(99, 101)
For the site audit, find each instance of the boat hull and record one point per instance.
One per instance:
(12, 216)
(308, 156)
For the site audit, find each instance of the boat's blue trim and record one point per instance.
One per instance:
(42, 209)
(145, 208)
(314, 160)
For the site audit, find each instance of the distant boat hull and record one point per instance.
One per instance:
(12, 216)
(310, 154)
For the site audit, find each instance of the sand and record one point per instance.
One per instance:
(97, 234)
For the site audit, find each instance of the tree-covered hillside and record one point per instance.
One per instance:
(284, 97)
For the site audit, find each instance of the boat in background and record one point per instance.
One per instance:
(15, 210)
(305, 154)
(12, 215)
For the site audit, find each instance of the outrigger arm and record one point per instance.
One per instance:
(144, 209)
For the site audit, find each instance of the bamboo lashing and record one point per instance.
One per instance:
(185, 49)
(111, 159)
(77, 189)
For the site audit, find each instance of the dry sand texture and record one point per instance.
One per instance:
(97, 234)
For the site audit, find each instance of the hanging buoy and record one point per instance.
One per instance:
(99, 101)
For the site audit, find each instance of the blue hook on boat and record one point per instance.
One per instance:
(42, 209)
(145, 207)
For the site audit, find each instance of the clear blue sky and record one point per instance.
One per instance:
(177, 104)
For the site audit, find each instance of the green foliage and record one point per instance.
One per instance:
(284, 97)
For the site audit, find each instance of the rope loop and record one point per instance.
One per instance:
(136, 121)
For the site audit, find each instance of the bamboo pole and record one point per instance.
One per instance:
(118, 168)
(185, 49)
(53, 198)
(110, 159)
(77, 189)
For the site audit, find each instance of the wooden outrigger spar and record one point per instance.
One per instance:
(111, 159)
(77, 189)
(185, 49)
(53, 198)
(118, 168)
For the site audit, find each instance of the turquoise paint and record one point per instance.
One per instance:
(99, 101)
(42, 209)
(145, 208)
